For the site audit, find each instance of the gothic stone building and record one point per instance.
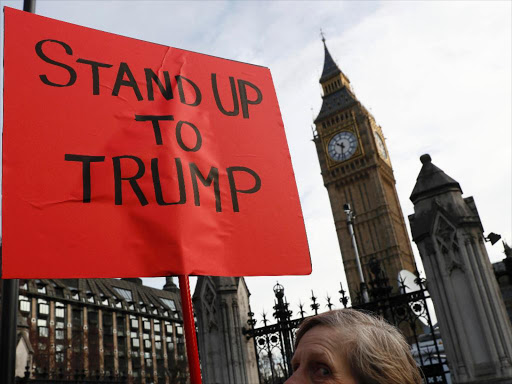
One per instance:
(99, 329)
(356, 169)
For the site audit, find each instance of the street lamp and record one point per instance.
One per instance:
(350, 224)
(492, 238)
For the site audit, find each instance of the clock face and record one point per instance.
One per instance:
(342, 146)
(380, 145)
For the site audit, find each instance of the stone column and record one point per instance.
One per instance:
(85, 344)
(153, 350)
(128, 348)
(100, 342)
(221, 305)
(164, 349)
(115, 344)
(230, 354)
(69, 337)
(473, 322)
(141, 353)
(51, 328)
(165, 379)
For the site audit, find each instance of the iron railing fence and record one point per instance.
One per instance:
(412, 312)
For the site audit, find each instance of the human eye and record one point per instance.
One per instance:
(321, 371)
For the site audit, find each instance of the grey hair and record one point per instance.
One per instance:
(376, 351)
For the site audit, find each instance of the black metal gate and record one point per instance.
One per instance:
(407, 311)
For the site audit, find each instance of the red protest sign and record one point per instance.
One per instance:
(127, 158)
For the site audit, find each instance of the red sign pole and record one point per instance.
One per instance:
(190, 331)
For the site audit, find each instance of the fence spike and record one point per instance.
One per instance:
(329, 304)
(301, 312)
(315, 306)
(343, 298)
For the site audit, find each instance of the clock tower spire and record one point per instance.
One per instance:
(331, 74)
(356, 169)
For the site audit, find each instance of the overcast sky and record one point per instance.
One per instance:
(435, 75)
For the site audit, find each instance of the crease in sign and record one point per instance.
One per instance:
(162, 63)
(181, 63)
(46, 204)
(110, 88)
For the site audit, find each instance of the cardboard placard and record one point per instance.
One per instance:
(124, 158)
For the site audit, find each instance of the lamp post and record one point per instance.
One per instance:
(282, 315)
(492, 238)
(350, 225)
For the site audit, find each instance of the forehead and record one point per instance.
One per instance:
(321, 340)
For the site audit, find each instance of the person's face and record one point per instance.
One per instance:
(319, 359)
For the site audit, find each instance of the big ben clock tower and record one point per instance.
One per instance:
(356, 169)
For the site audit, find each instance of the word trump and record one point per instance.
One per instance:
(195, 175)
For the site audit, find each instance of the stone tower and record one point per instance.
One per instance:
(474, 325)
(221, 306)
(356, 169)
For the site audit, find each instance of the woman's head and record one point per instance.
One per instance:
(350, 347)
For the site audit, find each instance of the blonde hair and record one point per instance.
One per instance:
(376, 351)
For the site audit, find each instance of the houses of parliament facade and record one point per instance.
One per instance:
(109, 330)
